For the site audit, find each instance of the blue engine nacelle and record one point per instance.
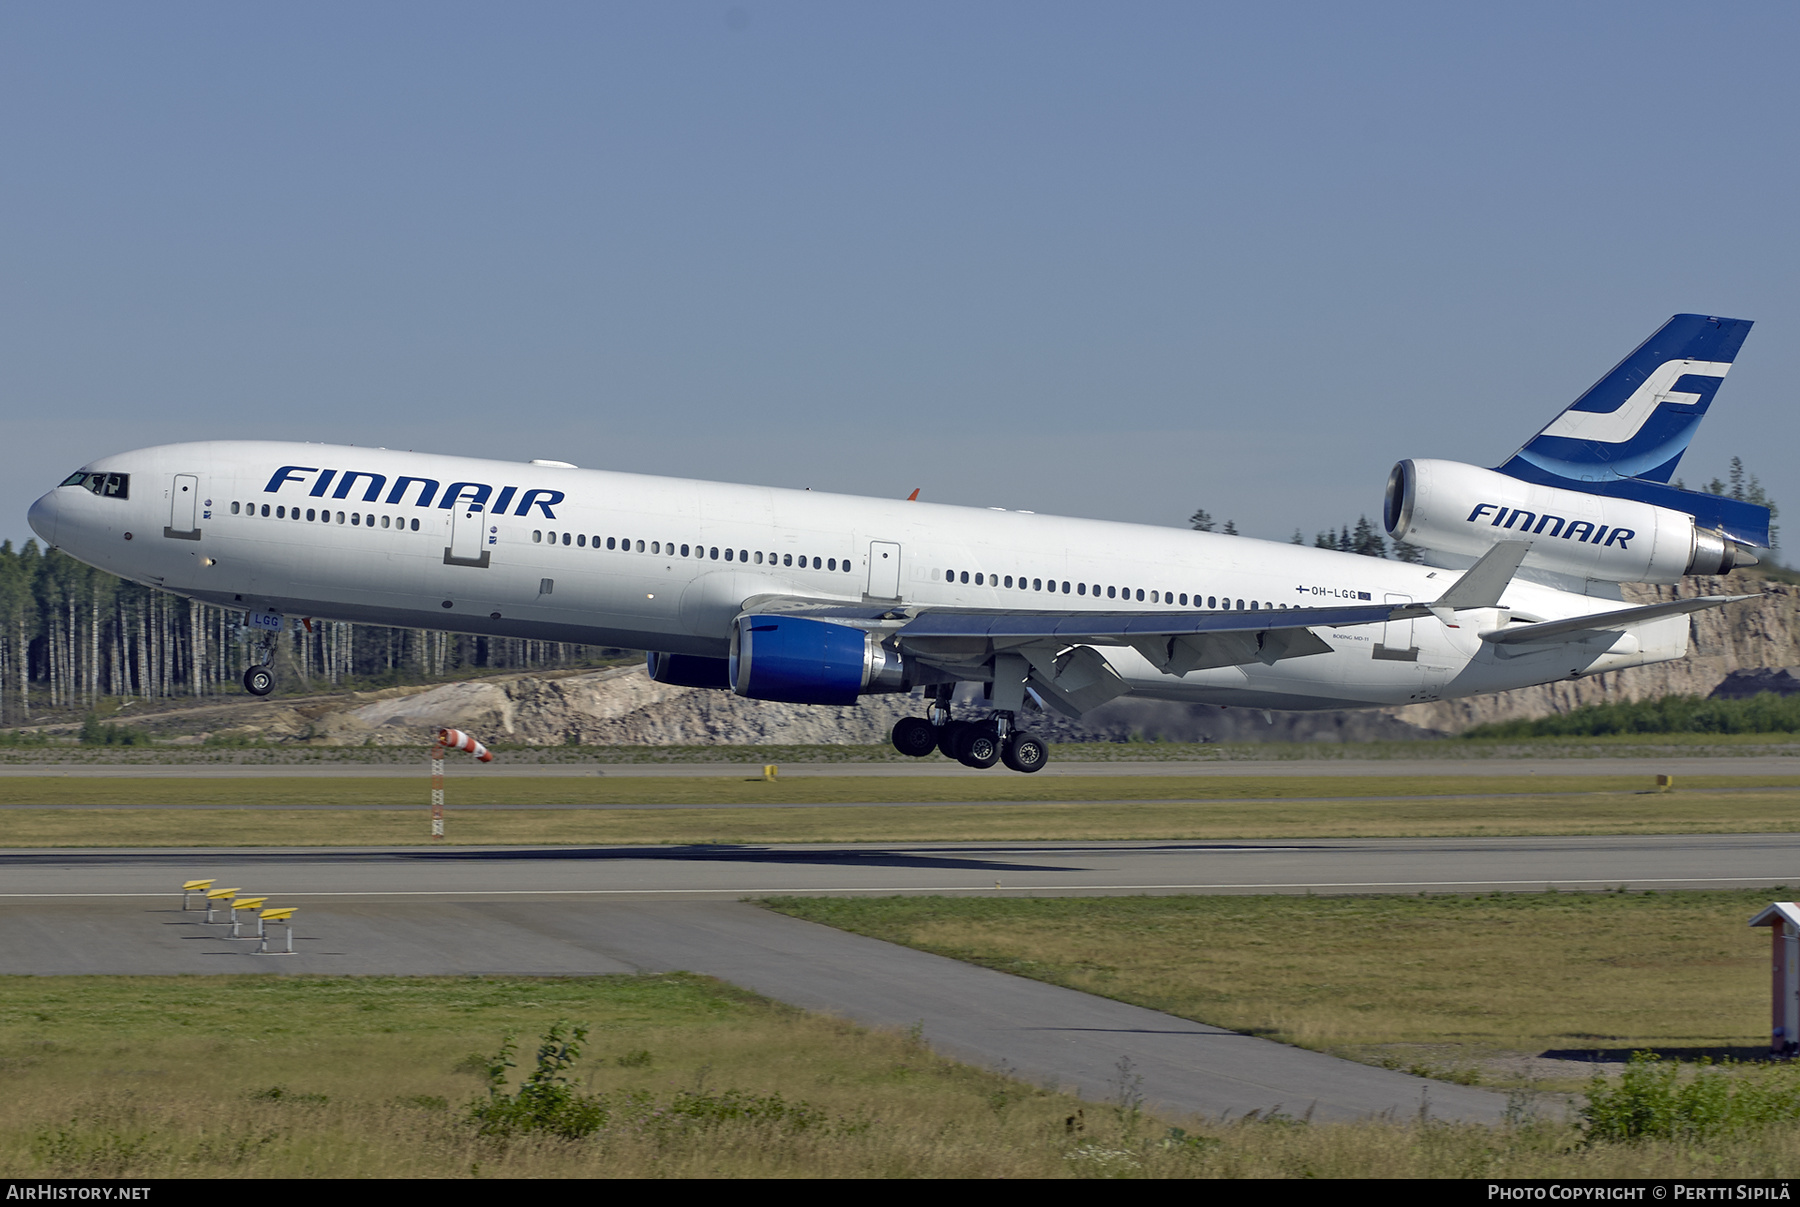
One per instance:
(688, 670)
(798, 660)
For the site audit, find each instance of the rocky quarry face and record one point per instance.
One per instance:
(1735, 650)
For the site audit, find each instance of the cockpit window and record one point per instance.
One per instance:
(111, 486)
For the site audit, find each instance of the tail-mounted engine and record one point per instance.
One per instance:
(1458, 509)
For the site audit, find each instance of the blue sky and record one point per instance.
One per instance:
(1119, 261)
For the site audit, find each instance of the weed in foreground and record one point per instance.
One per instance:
(1652, 1101)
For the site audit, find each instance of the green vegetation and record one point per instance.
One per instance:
(679, 1076)
(268, 1076)
(1495, 989)
(1652, 1101)
(1760, 714)
(357, 811)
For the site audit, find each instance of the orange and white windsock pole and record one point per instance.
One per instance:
(455, 739)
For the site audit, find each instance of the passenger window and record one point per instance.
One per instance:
(743, 555)
(1184, 599)
(816, 563)
(537, 536)
(1240, 605)
(1008, 580)
(846, 565)
(965, 576)
(611, 541)
(1140, 595)
(581, 541)
(356, 519)
(714, 553)
(415, 525)
(565, 538)
(949, 576)
(832, 564)
(1253, 605)
(1065, 588)
(1110, 592)
(728, 555)
(1081, 588)
(386, 521)
(281, 513)
(684, 551)
(759, 557)
(234, 509)
(340, 517)
(787, 559)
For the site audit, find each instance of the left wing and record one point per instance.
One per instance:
(1053, 651)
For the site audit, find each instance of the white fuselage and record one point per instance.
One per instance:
(603, 558)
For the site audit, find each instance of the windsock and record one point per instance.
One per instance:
(456, 739)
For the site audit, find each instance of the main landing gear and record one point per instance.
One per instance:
(972, 743)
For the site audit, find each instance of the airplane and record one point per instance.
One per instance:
(815, 598)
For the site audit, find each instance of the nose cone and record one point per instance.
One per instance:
(43, 517)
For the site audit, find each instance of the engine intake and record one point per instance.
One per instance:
(1454, 508)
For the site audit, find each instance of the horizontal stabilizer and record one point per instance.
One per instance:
(1482, 584)
(1604, 622)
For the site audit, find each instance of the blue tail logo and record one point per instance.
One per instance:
(1637, 421)
(1626, 435)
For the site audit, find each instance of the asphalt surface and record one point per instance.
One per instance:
(583, 911)
(464, 767)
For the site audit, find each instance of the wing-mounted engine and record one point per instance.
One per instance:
(1459, 509)
(802, 660)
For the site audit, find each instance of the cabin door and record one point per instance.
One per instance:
(884, 570)
(184, 503)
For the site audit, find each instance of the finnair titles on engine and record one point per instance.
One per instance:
(812, 598)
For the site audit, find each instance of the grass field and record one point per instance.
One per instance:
(72, 811)
(268, 1076)
(1479, 989)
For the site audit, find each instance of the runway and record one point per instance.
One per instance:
(585, 911)
(1634, 764)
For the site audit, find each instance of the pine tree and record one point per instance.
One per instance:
(1366, 540)
(1201, 521)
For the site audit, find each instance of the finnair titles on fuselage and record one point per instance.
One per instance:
(813, 598)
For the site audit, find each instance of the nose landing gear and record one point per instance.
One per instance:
(259, 680)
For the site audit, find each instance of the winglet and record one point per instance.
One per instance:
(914, 496)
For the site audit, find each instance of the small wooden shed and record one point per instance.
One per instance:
(1783, 920)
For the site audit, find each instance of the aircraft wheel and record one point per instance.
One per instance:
(259, 681)
(978, 747)
(1025, 752)
(915, 736)
(949, 736)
